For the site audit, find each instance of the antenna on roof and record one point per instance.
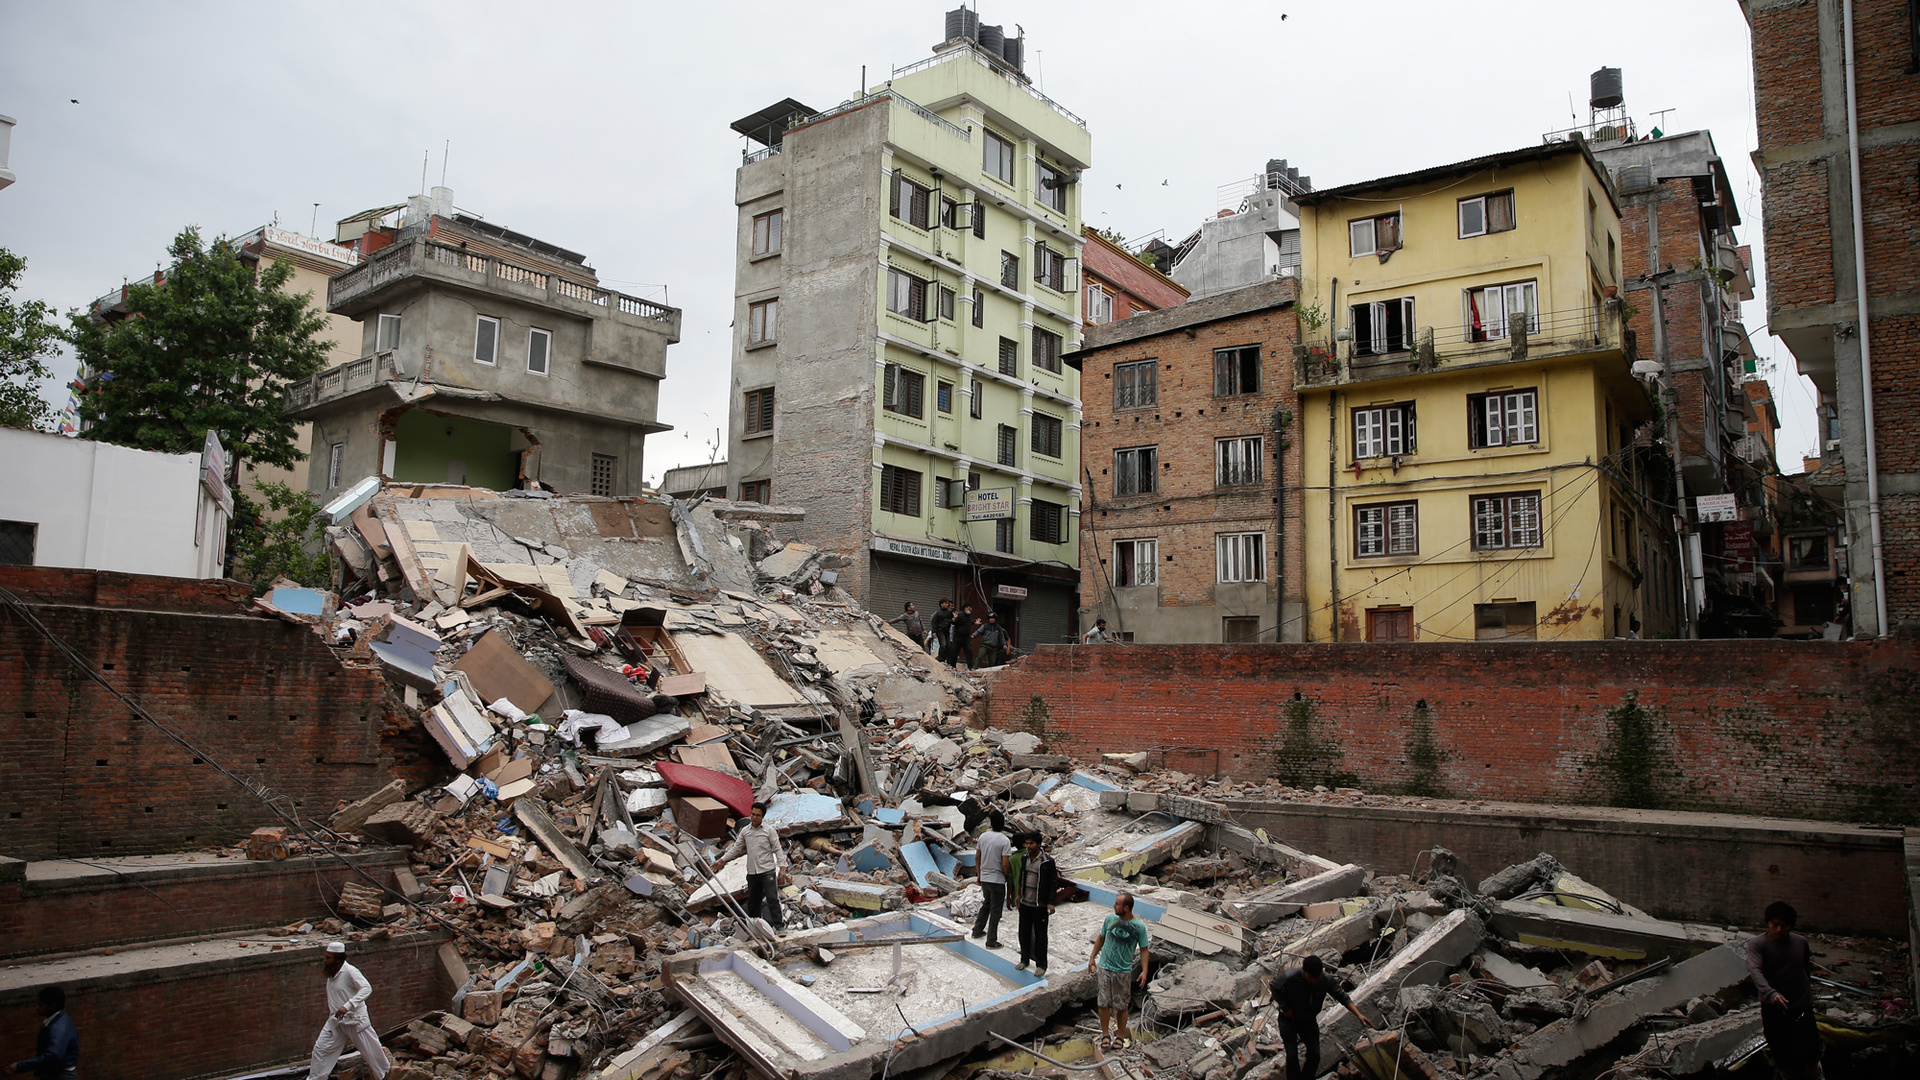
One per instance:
(443, 162)
(424, 155)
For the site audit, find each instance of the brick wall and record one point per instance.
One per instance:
(265, 698)
(1808, 730)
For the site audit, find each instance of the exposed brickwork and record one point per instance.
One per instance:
(1816, 730)
(1786, 76)
(263, 697)
(1799, 236)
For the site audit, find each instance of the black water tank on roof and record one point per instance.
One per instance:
(1605, 85)
(962, 23)
(1013, 51)
(993, 39)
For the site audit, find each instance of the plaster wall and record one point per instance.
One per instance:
(104, 507)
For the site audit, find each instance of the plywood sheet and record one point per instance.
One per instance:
(734, 669)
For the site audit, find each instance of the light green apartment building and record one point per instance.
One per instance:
(908, 279)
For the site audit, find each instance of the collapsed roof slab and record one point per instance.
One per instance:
(1429, 959)
(1599, 933)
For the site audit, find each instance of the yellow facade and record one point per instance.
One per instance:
(1463, 481)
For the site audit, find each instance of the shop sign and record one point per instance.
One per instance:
(889, 546)
(1717, 507)
(1011, 592)
(990, 504)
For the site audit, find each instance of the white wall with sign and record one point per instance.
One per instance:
(1717, 507)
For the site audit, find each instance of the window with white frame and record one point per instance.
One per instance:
(1236, 461)
(335, 453)
(1052, 187)
(539, 350)
(1383, 430)
(906, 294)
(1490, 311)
(1483, 214)
(1136, 384)
(486, 340)
(763, 321)
(1507, 418)
(908, 201)
(1383, 529)
(1241, 556)
(1050, 268)
(997, 157)
(1382, 327)
(1135, 469)
(1099, 305)
(387, 334)
(1374, 235)
(1505, 522)
(1136, 562)
(766, 232)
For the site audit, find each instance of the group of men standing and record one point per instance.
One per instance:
(957, 634)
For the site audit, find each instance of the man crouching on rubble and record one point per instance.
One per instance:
(1121, 946)
(1299, 994)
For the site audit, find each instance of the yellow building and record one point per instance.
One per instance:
(1468, 414)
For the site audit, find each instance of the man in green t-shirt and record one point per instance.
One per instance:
(1121, 946)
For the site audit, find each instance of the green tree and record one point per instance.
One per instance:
(277, 539)
(214, 345)
(28, 336)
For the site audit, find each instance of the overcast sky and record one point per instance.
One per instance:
(603, 127)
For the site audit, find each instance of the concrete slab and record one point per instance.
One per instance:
(1141, 854)
(1429, 959)
(1285, 900)
(1518, 976)
(1696, 1047)
(1598, 933)
(804, 811)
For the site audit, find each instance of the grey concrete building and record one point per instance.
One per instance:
(906, 286)
(1255, 238)
(487, 358)
(692, 481)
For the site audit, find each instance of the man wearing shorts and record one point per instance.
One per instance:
(1121, 946)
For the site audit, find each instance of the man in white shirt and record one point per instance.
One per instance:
(990, 860)
(766, 867)
(347, 993)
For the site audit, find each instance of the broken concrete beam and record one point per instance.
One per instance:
(1341, 936)
(1143, 802)
(1565, 1041)
(405, 824)
(534, 816)
(1199, 986)
(1049, 762)
(648, 1053)
(268, 844)
(1142, 854)
(1259, 849)
(1694, 1048)
(1429, 959)
(1278, 903)
(1113, 800)
(1518, 976)
(1519, 877)
(861, 895)
(1190, 809)
(355, 814)
(1134, 763)
(1598, 933)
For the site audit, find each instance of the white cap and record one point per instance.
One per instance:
(337, 947)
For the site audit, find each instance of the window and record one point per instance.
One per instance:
(974, 399)
(603, 474)
(1386, 529)
(1239, 629)
(1241, 556)
(486, 340)
(1049, 268)
(1504, 419)
(1046, 435)
(766, 233)
(1384, 326)
(1007, 445)
(1047, 522)
(1383, 430)
(1003, 535)
(763, 321)
(1136, 562)
(899, 490)
(1046, 350)
(1136, 385)
(759, 412)
(1374, 236)
(1502, 522)
(1808, 552)
(387, 335)
(1236, 461)
(902, 391)
(949, 213)
(1390, 624)
(943, 397)
(1236, 371)
(979, 308)
(539, 351)
(17, 542)
(1485, 214)
(756, 491)
(1052, 187)
(908, 201)
(1489, 309)
(906, 294)
(1135, 470)
(1099, 305)
(997, 158)
(1009, 357)
(949, 494)
(334, 453)
(1504, 622)
(946, 303)
(1009, 270)
(979, 215)
(1613, 260)
(1593, 217)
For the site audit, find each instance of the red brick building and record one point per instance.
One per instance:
(1821, 86)
(1185, 439)
(1117, 285)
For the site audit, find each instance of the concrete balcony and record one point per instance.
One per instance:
(1547, 335)
(410, 264)
(337, 382)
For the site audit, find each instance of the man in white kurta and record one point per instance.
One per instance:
(347, 993)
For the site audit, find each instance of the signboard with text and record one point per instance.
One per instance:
(1011, 592)
(1717, 507)
(887, 545)
(1738, 546)
(989, 504)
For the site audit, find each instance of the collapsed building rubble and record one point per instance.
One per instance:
(613, 682)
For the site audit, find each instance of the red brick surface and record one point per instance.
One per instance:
(265, 698)
(1808, 730)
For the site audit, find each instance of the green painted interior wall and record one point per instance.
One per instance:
(427, 441)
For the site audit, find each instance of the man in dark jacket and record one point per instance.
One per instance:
(1299, 994)
(963, 626)
(943, 631)
(57, 1049)
(993, 641)
(1778, 961)
(1035, 881)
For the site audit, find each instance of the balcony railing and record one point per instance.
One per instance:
(1433, 348)
(952, 55)
(916, 108)
(748, 157)
(349, 378)
(399, 261)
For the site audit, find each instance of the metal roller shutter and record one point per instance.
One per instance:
(1044, 614)
(896, 581)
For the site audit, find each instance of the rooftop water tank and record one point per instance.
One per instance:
(1605, 85)
(962, 23)
(1014, 50)
(993, 39)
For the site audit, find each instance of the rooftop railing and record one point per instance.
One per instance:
(398, 261)
(919, 110)
(748, 157)
(952, 55)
